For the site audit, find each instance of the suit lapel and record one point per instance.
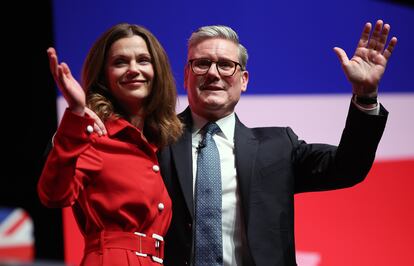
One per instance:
(181, 152)
(246, 146)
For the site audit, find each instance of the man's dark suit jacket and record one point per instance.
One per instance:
(272, 165)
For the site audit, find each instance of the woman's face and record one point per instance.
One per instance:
(129, 72)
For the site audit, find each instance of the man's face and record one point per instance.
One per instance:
(212, 95)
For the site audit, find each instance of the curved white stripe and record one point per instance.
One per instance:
(321, 118)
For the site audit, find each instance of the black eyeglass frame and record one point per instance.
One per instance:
(190, 62)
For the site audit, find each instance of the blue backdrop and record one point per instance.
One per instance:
(289, 42)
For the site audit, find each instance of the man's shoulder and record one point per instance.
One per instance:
(269, 131)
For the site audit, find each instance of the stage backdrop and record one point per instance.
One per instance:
(295, 80)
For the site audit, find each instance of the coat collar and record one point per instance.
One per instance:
(246, 146)
(122, 129)
(181, 152)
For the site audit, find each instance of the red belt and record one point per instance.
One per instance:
(140, 243)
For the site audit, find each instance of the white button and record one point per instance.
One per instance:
(160, 206)
(89, 129)
(156, 168)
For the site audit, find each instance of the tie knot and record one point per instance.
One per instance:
(211, 128)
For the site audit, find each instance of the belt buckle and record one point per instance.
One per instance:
(140, 245)
(158, 240)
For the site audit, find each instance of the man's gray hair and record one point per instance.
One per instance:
(222, 32)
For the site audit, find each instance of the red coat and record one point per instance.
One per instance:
(113, 184)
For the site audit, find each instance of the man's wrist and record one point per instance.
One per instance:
(372, 109)
(366, 100)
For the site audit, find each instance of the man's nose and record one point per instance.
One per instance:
(213, 70)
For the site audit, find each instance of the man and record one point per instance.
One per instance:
(262, 168)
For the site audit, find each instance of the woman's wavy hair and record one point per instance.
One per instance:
(161, 126)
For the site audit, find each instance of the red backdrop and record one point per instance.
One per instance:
(369, 224)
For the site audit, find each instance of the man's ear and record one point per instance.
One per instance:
(186, 69)
(244, 80)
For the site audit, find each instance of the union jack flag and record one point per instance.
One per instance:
(16, 235)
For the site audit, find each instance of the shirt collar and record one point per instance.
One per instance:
(226, 125)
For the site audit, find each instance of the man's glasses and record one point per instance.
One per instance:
(225, 67)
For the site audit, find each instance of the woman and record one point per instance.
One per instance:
(112, 181)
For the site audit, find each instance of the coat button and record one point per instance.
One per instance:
(89, 129)
(160, 206)
(156, 168)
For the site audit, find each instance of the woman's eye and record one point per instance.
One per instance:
(119, 62)
(144, 60)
